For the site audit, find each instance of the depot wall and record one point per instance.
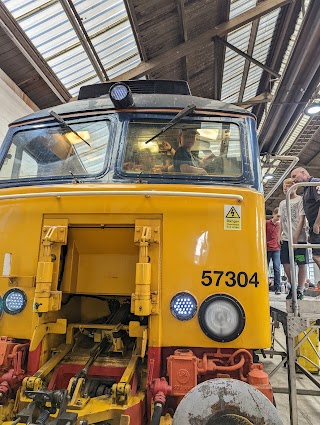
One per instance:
(13, 103)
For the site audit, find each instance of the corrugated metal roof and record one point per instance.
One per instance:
(107, 25)
(234, 64)
(284, 63)
(266, 29)
(240, 6)
(300, 124)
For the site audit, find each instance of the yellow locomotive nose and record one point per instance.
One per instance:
(143, 271)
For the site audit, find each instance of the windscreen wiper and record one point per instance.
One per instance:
(67, 126)
(186, 111)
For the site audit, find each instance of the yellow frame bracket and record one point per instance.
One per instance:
(77, 402)
(122, 390)
(45, 369)
(60, 327)
(141, 333)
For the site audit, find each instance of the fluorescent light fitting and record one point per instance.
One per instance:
(313, 108)
(268, 177)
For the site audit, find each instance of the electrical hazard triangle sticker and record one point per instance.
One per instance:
(232, 217)
(232, 213)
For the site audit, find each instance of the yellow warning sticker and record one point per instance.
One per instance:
(232, 217)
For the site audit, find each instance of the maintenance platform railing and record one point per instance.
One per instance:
(297, 317)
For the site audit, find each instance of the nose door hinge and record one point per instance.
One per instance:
(47, 296)
(147, 237)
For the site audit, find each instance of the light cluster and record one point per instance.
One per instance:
(14, 301)
(183, 306)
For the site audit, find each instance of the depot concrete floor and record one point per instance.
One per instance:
(308, 406)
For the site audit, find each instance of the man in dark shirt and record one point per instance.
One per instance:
(311, 205)
(184, 161)
(273, 248)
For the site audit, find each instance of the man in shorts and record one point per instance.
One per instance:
(299, 235)
(311, 205)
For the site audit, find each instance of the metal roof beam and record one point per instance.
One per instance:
(219, 51)
(135, 28)
(82, 34)
(249, 58)
(280, 40)
(297, 85)
(190, 46)
(19, 38)
(260, 98)
(183, 32)
(252, 41)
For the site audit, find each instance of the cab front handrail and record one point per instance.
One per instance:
(146, 193)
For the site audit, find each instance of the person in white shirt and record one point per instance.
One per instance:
(299, 236)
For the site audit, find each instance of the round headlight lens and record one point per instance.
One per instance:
(121, 96)
(221, 318)
(14, 301)
(183, 306)
(119, 91)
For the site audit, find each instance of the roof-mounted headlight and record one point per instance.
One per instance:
(14, 301)
(121, 96)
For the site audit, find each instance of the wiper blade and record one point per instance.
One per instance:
(186, 111)
(67, 126)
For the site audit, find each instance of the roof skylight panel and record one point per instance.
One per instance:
(231, 88)
(240, 36)
(18, 8)
(239, 6)
(251, 90)
(50, 31)
(74, 90)
(102, 15)
(105, 21)
(124, 66)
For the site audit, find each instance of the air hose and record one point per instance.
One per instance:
(157, 412)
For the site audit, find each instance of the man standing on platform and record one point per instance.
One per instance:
(311, 205)
(299, 235)
(273, 248)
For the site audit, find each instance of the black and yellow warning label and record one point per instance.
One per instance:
(232, 217)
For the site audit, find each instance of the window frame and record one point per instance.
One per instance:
(8, 142)
(245, 178)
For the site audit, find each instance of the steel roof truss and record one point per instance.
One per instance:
(183, 32)
(135, 28)
(190, 46)
(252, 40)
(250, 58)
(14, 32)
(84, 39)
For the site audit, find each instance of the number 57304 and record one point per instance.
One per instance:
(228, 278)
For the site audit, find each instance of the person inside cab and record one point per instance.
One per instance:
(184, 161)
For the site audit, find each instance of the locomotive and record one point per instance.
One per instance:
(134, 279)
